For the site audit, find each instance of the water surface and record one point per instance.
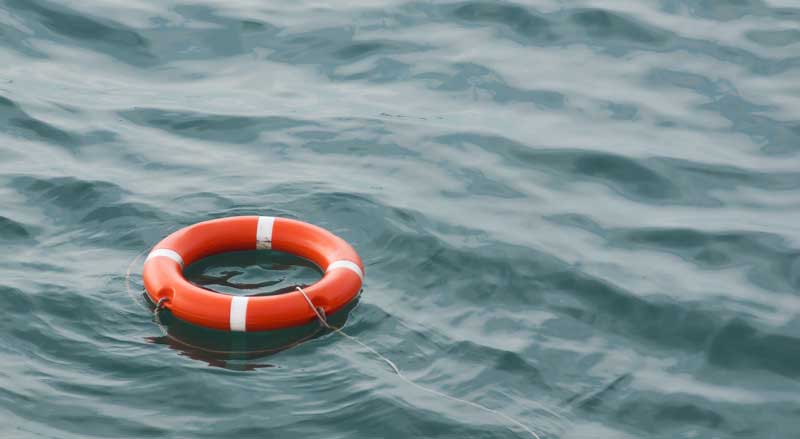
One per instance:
(584, 215)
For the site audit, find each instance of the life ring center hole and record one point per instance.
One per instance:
(252, 273)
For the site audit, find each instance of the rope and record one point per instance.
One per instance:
(320, 314)
(324, 322)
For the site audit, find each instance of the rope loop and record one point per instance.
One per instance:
(318, 310)
(158, 308)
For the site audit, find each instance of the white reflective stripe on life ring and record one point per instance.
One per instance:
(350, 265)
(264, 232)
(239, 313)
(172, 254)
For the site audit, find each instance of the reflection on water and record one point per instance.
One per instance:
(237, 351)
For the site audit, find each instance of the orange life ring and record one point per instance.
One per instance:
(164, 281)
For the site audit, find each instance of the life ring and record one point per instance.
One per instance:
(165, 284)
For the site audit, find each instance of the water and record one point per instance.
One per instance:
(591, 209)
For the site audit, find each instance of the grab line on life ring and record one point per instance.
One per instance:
(163, 273)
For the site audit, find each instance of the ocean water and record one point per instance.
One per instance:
(584, 215)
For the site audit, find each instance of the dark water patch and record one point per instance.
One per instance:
(99, 137)
(143, 161)
(15, 302)
(626, 175)
(22, 123)
(119, 224)
(479, 79)
(621, 111)
(212, 127)
(689, 414)
(11, 230)
(383, 70)
(521, 21)
(768, 260)
(95, 210)
(775, 38)
(220, 37)
(314, 47)
(69, 194)
(254, 26)
(512, 152)
(508, 367)
(216, 36)
(477, 183)
(354, 136)
(356, 146)
(203, 202)
(746, 117)
(754, 62)
(671, 417)
(527, 26)
(134, 237)
(703, 180)
(106, 36)
(691, 81)
(505, 360)
(120, 210)
(593, 400)
(508, 274)
(16, 397)
(603, 24)
(740, 345)
(72, 323)
(611, 308)
(16, 36)
(38, 266)
(760, 251)
(634, 179)
(578, 221)
(330, 48)
(737, 9)
(777, 137)
(360, 50)
(742, 242)
(398, 236)
(79, 26)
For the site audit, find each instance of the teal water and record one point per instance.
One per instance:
(585, 215)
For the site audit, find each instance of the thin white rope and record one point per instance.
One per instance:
(407, 380)
(324, 322)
